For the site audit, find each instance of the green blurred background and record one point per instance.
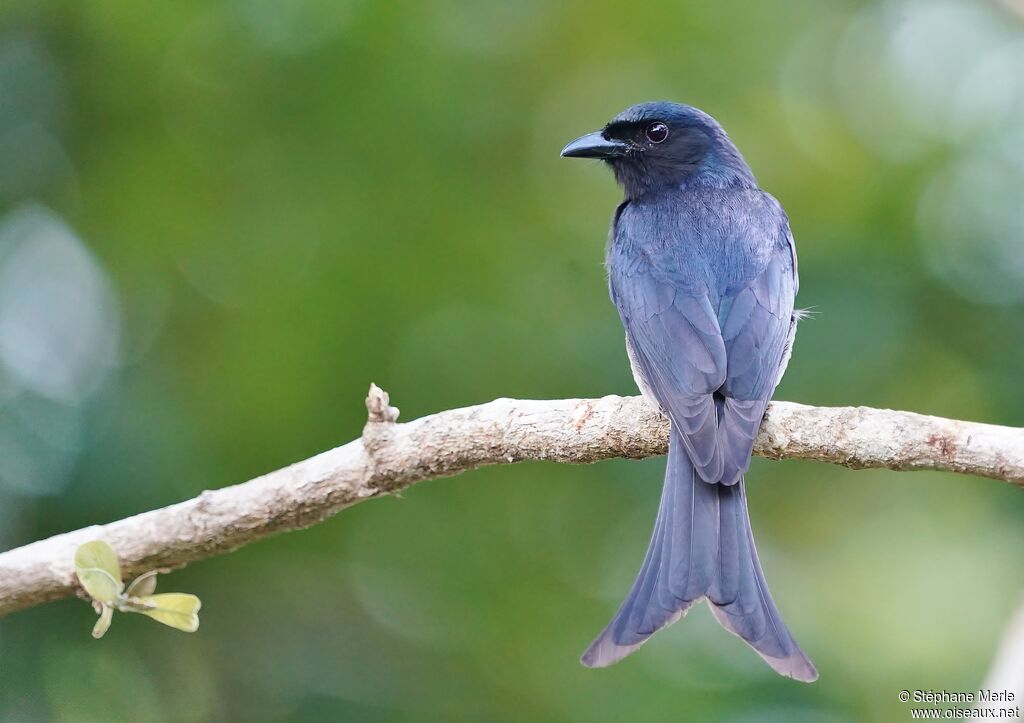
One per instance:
(219, 221)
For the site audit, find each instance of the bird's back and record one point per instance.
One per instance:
(700, 238)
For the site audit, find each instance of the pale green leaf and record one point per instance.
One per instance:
(100, 585)
(103, 624)
(98, 554)
(176, 609)
(143, 585)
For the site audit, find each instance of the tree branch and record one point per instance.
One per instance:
(391, 457)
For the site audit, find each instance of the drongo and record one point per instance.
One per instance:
(703, 272)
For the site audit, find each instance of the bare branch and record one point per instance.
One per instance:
(391, 457)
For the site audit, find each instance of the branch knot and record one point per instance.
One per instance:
(378, 406)
(380, 422)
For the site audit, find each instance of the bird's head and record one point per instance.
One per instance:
(657, 145)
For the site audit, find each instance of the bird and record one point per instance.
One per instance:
(702, 269)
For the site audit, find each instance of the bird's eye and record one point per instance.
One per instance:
(656, 132)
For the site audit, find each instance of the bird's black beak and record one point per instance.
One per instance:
(595, 145)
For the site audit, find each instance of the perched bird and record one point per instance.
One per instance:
(702, 269)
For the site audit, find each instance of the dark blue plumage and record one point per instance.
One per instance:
(702, 269)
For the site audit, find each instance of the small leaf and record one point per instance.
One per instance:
(143, 585)
(100, 585)
(176, 609)
(103, 624)
(98, 554)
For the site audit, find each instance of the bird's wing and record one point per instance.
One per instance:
(712, 369)
(757, 327)
(677, 344)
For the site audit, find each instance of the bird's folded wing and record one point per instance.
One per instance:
(678, 346)
(757, 325)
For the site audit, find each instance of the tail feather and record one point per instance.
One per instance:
(701, 547)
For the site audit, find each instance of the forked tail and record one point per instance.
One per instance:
(701, 547)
